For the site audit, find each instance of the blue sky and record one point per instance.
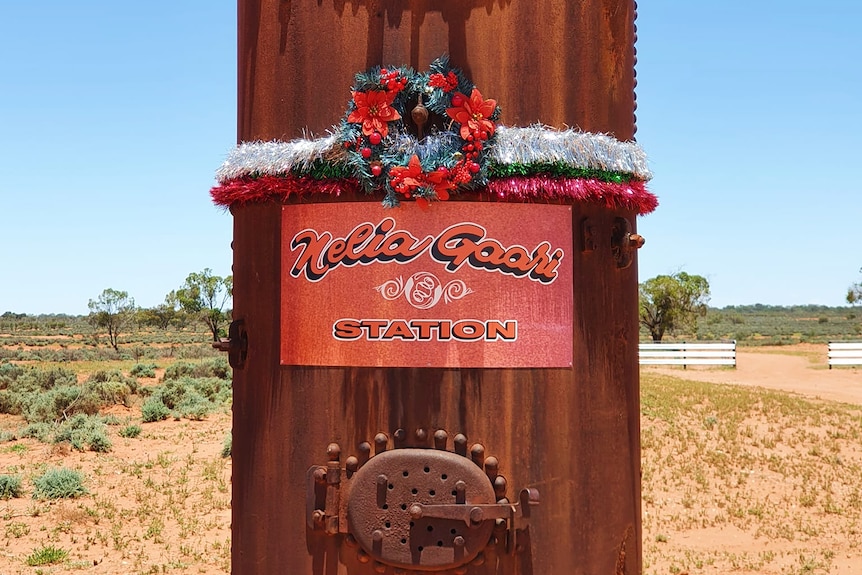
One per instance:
(115, 116)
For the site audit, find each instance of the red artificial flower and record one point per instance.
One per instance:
(405, 179)
(473, 114)
(439, 180)
(373, 110)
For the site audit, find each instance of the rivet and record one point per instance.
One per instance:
(477, 454)
(461, 444)
(500, 486)
(382, 480)
(478, 560)
(421, 435)
(399, 436)
(352, 464)
(458, 541)
(440, 439)
(333, 452)
(379, 567)
(377, 536)
(362, 556)
(492, 466)
(350, 540)
(416, 512)
(460, 571)
(476, 515)
(380, 441)
(320, 475)
(364, 449)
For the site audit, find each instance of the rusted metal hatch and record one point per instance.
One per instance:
(413, 507)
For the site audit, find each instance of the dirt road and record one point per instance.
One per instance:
(798, 368)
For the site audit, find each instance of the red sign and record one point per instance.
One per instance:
(458, 285)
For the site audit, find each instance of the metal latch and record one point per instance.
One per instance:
(624, 243)
(236, 344)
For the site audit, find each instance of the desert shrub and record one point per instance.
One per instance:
(112, 385)
(10, 486)
(227, 446)
(111, 419)
(59, 483)
(6, 435)
(9, 374)
(217, 367)
(130, 431)
(39, 431)
(47, 555)
(185, 396)
(16, 383)
(154, 409)
(62, 402)
(84, 432)
(178, 370)
(35, 378)
(144, 370)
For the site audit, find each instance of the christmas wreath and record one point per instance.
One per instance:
(433, 161)
(424, 136)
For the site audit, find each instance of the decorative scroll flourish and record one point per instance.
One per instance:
(423, 290)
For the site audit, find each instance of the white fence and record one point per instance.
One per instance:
(688, 353)
(844, 353)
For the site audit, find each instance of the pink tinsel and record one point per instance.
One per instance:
(253, 190)
(629, 195)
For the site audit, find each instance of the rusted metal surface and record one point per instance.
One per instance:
(557, 62)
(573, 434)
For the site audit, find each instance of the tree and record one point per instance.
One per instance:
(854, 292)
(669, 303)
(204, 296)
(163, 315)
(113, 311)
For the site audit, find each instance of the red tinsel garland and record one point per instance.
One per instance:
(630, 195)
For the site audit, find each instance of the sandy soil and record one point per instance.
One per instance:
(160, 503)
(830, 545)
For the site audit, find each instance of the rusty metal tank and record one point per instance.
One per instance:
(518, 470)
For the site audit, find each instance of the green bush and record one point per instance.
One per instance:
(61, 402)
(112, 386)
(10, 486)
(227, 446)
(144, 370)
(154, 409)
(217, 367)
(19, 386)
(130, 431)
(84, 432)
(59, 483)
(39, 431)
(46, 555)
(194, 398)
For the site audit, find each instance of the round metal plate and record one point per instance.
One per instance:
(382, 492)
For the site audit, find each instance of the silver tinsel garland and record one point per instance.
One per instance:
(531, 145)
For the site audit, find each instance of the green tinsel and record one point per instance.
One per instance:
(556, 170)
